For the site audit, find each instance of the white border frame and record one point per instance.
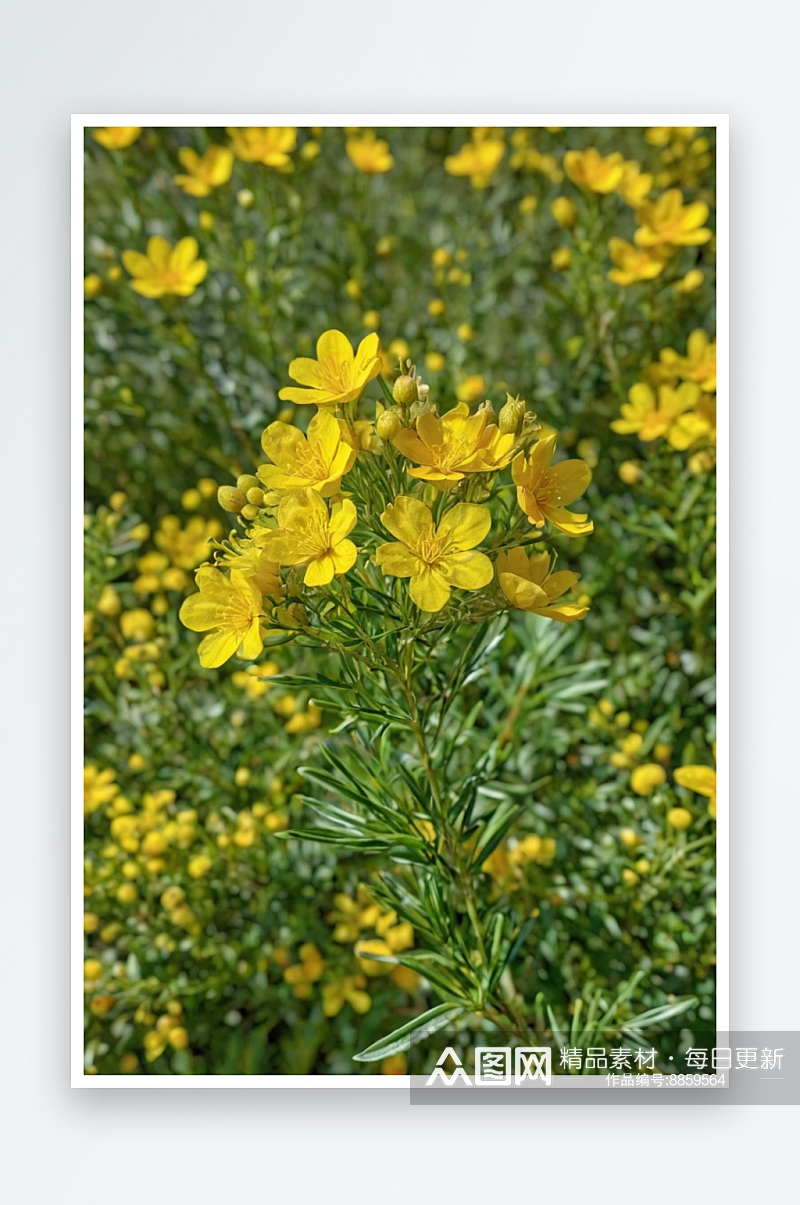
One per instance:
(79, 123)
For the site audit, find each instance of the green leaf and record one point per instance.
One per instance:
(412, 1032)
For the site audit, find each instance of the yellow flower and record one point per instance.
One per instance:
(92, 285)
(668, 221)
(369, 154)
(271, 145)
(165, 269)
(645, 779)
(702, 780)
(371, 966)
(337, 375)
(651, 417)
(457, 443)
(529, 585)
(230, 611)
(344, 991)
(561, 258)
(635, 184)
(544, 491)
(435, 558)
(318, 460)
(99, 786)
(632, 263)
(478, 159)
(700, 363)
(589, 170)
(309, 535)
(116, 138)
(203, 174)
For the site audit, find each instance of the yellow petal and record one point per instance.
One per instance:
(700, 779)
(253, 641)
(158, 250)
(567, 481)
(464, 526)
(283, 442)
(218, 647)
(429, 590)
(305, 372)
(408, 520)
(396, 560)
(333, 345)
(467, 570)
(344, 556)
(320, 571)
(199, 614)
(343, 519)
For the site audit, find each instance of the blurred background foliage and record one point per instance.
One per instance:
(211, 945)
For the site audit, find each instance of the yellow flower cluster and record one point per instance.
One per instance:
(678, 401)
(304, 516)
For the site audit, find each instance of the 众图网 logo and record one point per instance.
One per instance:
(493, 1067)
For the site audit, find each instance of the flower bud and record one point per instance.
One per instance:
(512, 416)
(249, 512)
(387, 425)
(231, 499)
(405, 391)
(247, 482)
(255, 496)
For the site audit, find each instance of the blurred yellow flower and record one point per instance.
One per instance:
(561, 258)
(345, 991)
(308, 534)
(479, 159)
(565, 212)
(702, 780)
(92, 285)
(369, 154)
(338, 375)
(116, 138)
(165, 269)
(633, 264)
(679, 818)
(186, 546)
(206, 172)
(635, 185)
(691, 281)
(457, 443)
(317, 460)
(590, 171)
(652, 416)
(544, 490)
(270, 145)
(700, 362)
(99, 786)
(230, 611)
(471, 388)
(645, 779)
(668, 221)
(529, 585)
(435, 558)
